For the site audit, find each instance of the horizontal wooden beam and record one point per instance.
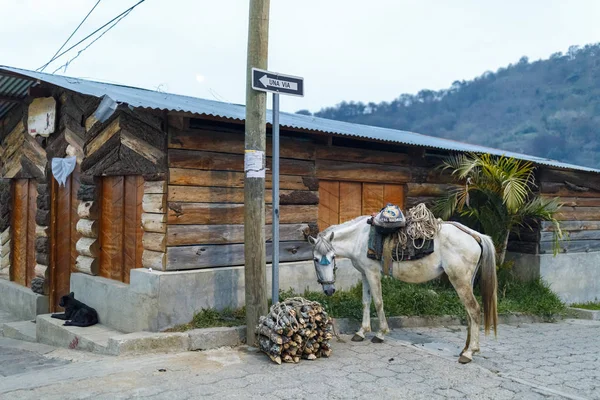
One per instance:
(338, 153)
(194, 257)
(572, 235)
(572, 225)
(429, 189)
(213, 161)
(199, 194)
(152, 222)
(581, 179)
(185, 235)
(219, 214)
(578, 214)
(556, 189)
(196, 177)
(571, 246)
(360, 172)
(576, 201)
(231, 142)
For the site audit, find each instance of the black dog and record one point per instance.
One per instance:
(76, 313)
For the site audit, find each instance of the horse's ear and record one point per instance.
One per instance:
(312, 240)
(331, 236)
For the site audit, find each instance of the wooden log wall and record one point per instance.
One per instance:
(205, 199)
(154, 240)
(128, 143)
(580, 215)
(87, 226)
(204, 224)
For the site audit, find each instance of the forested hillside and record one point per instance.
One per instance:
(548, 108)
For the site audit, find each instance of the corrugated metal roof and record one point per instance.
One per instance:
(13, 88)
(143, 98)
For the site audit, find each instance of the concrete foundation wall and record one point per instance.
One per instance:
(21, 301)
(157, 300)
(575, 277)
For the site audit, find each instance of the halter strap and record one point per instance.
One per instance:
(322, 282)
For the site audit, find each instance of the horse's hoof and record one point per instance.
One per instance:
(357, 338)
(376, 340)
(464, 360)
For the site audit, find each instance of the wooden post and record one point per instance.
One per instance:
(254, 167)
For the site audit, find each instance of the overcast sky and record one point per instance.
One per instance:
(345, 49)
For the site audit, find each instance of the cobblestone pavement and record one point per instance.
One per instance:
(528, 361)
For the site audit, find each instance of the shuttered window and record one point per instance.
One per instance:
(342, 201)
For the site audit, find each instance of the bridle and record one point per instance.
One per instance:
(319, 279)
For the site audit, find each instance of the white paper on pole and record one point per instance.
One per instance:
(62, 168)
(254, 163)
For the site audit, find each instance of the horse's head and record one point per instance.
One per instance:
(324, 259)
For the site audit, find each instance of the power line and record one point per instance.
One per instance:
(66, 65)
(41, 69)
(93, 33)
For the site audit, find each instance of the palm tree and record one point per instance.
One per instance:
(497, 196)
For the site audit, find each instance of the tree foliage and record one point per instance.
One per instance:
(496, 197)
(548, 108)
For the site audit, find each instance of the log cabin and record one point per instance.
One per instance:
(148, 226)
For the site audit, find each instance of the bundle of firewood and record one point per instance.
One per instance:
(295, 328)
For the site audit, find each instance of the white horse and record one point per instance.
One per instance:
(458, 251)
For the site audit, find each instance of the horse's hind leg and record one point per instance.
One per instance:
(366, 303)
(463, 287)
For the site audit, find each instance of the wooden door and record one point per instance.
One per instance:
(121, 226)
(64, 236)
(24, 198)
(342, 201)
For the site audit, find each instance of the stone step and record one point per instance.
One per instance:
(22, 330)
(103, 340)
(92, 338)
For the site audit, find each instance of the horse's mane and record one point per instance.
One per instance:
(323, 245)
(329, 229)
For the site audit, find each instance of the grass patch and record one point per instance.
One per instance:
(433, 298)
(588, 306)
(211, 318)
(437, 298)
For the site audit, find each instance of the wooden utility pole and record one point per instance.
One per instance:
(254, 167)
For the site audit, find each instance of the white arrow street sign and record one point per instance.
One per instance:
(266, 81)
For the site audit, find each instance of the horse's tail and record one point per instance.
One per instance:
(489, 283)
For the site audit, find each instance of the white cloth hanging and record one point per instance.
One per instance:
(62, 168)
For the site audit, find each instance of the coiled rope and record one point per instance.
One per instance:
(421, 224)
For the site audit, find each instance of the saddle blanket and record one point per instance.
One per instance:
(412, 251)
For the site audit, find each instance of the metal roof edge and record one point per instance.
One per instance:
(149, 99)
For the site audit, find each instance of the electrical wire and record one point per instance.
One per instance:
(93, 33)
(41, 69)
(66, 65)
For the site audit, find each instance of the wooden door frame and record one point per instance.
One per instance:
(52, 233)
(30, 210)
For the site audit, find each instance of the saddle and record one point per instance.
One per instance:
(386, 228)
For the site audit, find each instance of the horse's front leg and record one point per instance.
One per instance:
(374, 278)
(366, 303)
